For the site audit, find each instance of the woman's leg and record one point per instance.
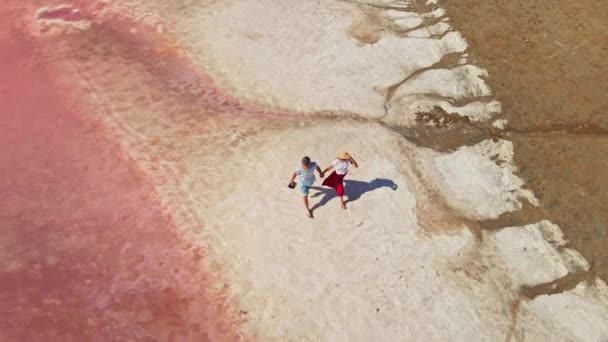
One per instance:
(340, 191)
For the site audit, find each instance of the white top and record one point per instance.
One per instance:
(306, 176)
(341, 167)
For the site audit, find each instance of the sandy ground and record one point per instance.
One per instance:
(374, 272)
(212, 106)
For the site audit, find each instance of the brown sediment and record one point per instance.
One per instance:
(444, 131)
(546, 62)
(560, 285)
(514, 312)
(445, 140)
(546, 66)
(569, 128)
(528, 214)
(417, 5)
(440, 118)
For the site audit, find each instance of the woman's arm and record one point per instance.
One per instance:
(331, 166)
(352, 160)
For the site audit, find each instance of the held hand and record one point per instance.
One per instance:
(322, 174)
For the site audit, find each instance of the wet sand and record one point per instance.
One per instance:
(547, 66)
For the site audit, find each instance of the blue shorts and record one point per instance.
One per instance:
(304, 189)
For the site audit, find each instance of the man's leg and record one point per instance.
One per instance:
(305, 190)
(306, 205)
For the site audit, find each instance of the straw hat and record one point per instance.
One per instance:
(342, 155)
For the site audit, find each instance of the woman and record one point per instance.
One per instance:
(334, 180)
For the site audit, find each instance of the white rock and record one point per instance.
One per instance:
(409, 22)
(576, 315)
(479, 180)
(500, 124)
(531, 253)
(299, 55)
(420, 93)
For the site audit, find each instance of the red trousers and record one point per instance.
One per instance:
(335, 181)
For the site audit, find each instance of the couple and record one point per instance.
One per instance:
(306, 176)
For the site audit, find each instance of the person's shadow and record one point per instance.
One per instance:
(353, 190)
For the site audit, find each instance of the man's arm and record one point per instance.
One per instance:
(293, 177)
(352, 160)
(321, 173)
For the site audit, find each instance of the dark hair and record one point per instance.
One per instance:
(305, 161)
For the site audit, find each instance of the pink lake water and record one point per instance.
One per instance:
(89, 253)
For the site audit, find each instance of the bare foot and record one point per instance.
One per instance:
(310, 213)
(342, 205)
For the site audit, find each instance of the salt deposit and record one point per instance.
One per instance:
(315, 65)
(479, 180)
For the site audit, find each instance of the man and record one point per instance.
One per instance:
(306, 176)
